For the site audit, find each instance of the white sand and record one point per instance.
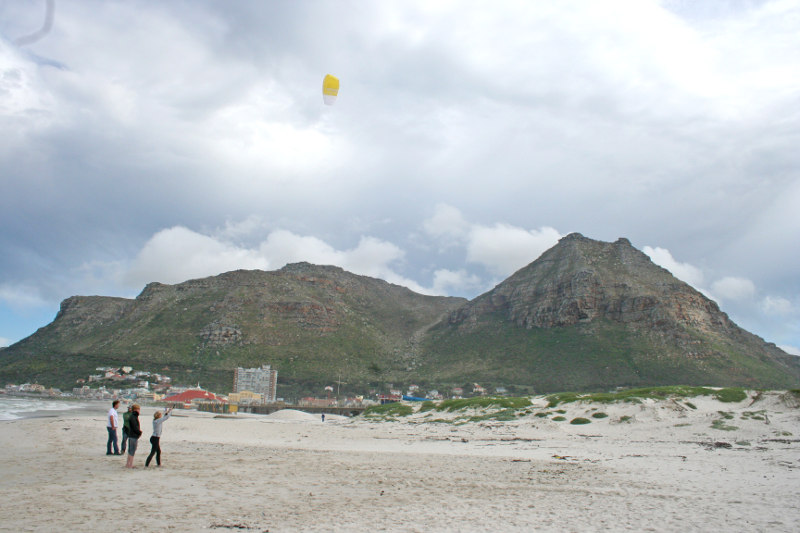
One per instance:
(663, 469)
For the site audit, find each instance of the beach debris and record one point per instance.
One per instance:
(713, 445)
(233, 526)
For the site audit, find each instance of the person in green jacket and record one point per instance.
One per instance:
(126, 427)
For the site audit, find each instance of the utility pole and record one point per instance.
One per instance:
(339, 383)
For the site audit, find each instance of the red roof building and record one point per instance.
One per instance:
(193, 395)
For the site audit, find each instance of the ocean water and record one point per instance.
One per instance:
(12, 408)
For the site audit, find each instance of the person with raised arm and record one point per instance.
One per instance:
(155, 440)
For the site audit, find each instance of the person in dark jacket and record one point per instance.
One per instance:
(126, 427)
(134, 433)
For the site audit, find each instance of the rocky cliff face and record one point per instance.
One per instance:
(581, 280)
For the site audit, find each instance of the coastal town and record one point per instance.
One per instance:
(252, 387)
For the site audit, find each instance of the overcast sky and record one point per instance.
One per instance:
(162, 141)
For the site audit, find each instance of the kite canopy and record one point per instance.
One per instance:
(330, 89)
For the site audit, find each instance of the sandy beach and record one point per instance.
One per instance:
(654, 466)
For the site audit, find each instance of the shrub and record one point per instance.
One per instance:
(730, 395)
(690, 405)
(722, 426)
(427, 406)
(580, 420)
(388, 410)
(558, 419)
(599, 415)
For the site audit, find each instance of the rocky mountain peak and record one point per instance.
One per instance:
(581, 280)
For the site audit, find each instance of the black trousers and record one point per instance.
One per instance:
(155, 449)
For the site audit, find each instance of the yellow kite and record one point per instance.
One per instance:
(330, 89)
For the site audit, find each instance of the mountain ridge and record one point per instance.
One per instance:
(584, 315)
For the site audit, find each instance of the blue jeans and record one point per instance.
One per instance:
(124, 439)
(112, 438)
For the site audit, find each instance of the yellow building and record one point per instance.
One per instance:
(244, 397)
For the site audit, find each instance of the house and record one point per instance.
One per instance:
(389, 398)
(191, 397)
(317, 402)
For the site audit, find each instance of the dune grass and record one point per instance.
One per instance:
(388, 410)
(657, 393)
(483, 402)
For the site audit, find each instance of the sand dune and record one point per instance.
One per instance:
(654, 466)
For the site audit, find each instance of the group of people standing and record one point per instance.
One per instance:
(132, 431)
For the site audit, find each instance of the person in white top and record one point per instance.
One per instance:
(112, 423)
(155, 440)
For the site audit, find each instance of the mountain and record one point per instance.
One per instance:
(586, 315)
(593, 315)
(315, 324)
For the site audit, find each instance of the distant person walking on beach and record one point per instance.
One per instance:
(134, 433)
(126, 427)
(155, 440)
(111, 425)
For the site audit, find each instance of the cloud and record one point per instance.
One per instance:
(4, 342)
(504, 249)
(683, 271)
(21, 296)
(793, 350)
(776, 306)
(176, 254)
(447, 222)
(448, 281)
(733, 288)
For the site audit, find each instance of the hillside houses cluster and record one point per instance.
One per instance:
(126, 375)
(123, 382)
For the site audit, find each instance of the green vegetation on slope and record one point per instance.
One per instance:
(587, 357)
